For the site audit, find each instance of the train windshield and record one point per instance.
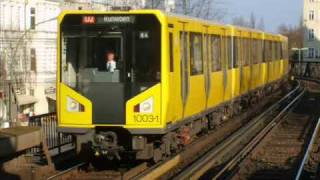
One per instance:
(110, 49)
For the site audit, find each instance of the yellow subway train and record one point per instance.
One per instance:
(143, 82)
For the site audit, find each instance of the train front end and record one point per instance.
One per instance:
(112, 110)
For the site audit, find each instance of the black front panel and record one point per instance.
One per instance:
(107, 102)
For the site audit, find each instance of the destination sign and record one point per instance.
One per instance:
(115, 20)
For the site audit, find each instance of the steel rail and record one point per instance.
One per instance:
(308, 150)
(203, 164)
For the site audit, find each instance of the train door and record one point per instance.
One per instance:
(184, 67)
(251, 61)
(174, 106)
(206, 51)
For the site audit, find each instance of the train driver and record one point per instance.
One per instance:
(110, 61)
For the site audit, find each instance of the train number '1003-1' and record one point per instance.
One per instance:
(146, 118)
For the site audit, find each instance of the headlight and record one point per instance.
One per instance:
(145, 107)
(74, 106)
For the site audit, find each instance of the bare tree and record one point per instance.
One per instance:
(240, 21)
(205, 9)
(249, 23)
(294, 34)
(252, 23)
(261, 25)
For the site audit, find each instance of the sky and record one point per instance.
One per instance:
(274, 12)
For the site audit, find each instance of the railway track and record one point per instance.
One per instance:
(218, 160)
(282, 152)
(310, 162)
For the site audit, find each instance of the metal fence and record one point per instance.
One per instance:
(54, 139)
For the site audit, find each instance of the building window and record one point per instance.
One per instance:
(311, 53)
(31, 92)
(18, 19)
(32, 18)
(311, 34)
(33, 60)
(311, 15)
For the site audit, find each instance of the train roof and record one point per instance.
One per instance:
(212, 22)
(174, 15)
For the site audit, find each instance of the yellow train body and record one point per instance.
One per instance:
(234, 62)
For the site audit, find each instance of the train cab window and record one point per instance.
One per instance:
(171, 50)
(88, 58)
(196, 54)
(216, 53)
(135, 42)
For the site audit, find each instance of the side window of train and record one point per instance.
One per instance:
(273, 51)
(260, 51)
(282, 51)
(229, 55)
(183, 52)
(196, 54)
(254, 48)
(216, 53)
(270, 51)
(264, 51)
(267, 51)
(246, 51)
(236, 52)
(279, 51)
(171, 52)
(249, 62)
